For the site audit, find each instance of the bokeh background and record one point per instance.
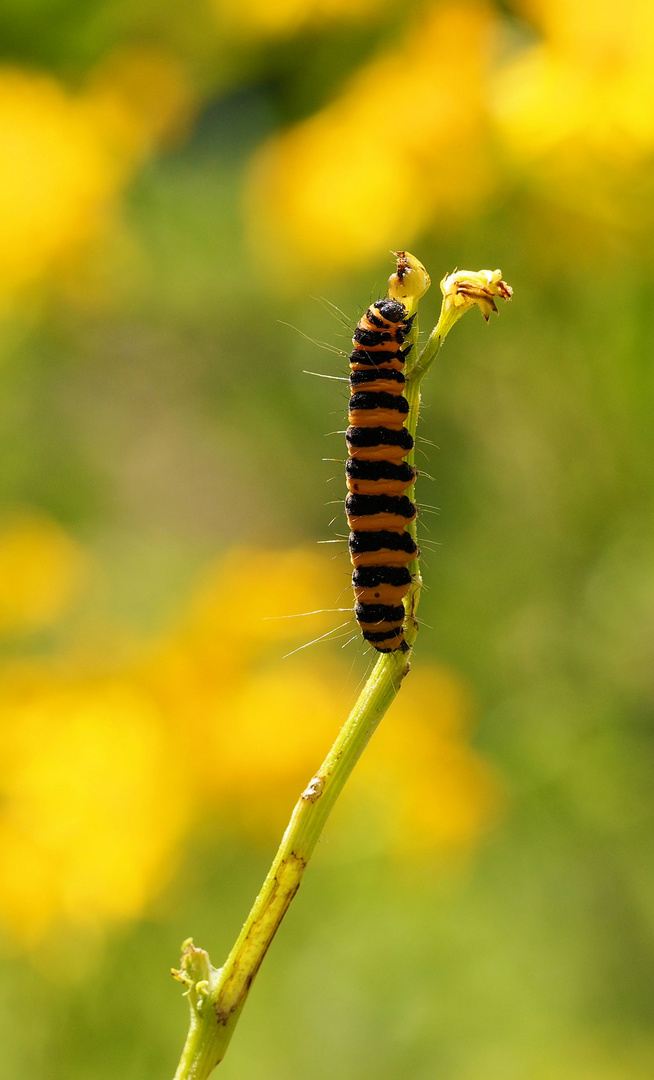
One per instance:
(192, 197)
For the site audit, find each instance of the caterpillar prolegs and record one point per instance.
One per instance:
(377, 509)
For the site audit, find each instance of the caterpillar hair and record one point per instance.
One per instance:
(377, 509)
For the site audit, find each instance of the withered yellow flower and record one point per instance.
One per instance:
(464, 288)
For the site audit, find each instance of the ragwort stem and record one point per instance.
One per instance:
(216, 996)
(220, 995)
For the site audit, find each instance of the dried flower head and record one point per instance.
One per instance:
(464, 288)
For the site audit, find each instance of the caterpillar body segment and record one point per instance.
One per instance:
(378, 443)
(382, 548)
(378, 511)
(378, 477)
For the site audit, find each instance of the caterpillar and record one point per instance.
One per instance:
(377, 509)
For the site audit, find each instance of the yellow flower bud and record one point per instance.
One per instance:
(410, 281)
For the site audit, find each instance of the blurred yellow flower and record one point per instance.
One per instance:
(253, 727)
(242, 611)
(273, 734)
(576, 112)
(612, 37)
(64, 157)
(142, 99)
(103, 776)
(401, 147)
(92, 804)
(56, 179)
(40, 570)
(284, 17)
(425, 133)
(260, 592)
(432, 792)
(212, 671)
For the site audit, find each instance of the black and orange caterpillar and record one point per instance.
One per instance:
(377, 509)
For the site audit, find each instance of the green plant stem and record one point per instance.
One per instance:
(415, 375)
(213, 1025)
(217, 996)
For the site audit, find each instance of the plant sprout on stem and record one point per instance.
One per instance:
(217, 995)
